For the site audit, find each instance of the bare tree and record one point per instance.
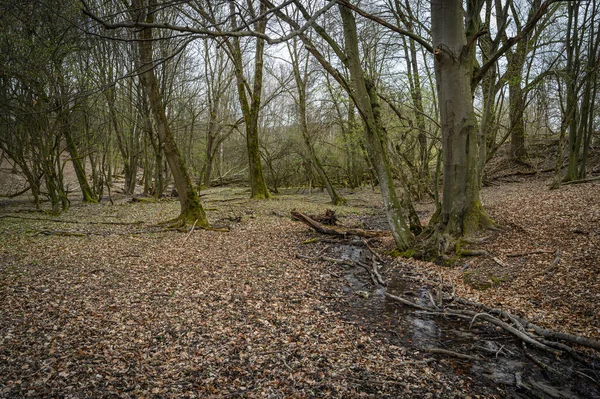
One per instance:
(191, 208)
(301, 76)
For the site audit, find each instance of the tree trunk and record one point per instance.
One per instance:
(410, 55)
(461, 212)
(518, 151)
(572, 48)
(86, 191)
(191, 209)
(366, 100)
(210, 139)
(301, 103)
(517, 95)
(251, 108)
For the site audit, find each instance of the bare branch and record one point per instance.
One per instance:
(380, 21)
(512, 41)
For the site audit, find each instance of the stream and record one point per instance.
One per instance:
(505, 363)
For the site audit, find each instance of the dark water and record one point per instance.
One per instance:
(521, 372)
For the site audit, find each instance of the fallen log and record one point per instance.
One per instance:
(337, 231)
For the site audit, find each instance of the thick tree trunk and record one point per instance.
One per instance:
(461, 212)
(191, 209)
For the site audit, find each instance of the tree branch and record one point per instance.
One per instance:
(511, 42)
(380, 21)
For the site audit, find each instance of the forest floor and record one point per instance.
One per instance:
(99, 302)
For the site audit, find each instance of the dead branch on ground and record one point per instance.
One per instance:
(337, 231)
(540, 331)
(552, 269)
(520, 254)
(447, 352)
(71, 221)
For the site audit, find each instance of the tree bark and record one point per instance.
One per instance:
(251, 108)
(518, 151)
(86, 191)
(367, 101)
(462, 213)
(191, 208)
(301, 83)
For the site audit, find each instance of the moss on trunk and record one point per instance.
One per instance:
(191, 208)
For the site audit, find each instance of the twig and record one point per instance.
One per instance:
(473, 320)
(375, 254)
(62, 233)
(72, 221)
(432, 300)
(190, 233)
(373, 279)
(494, 320)
(588, 377)
(377, 275)
(543, 332)
(501, 263)
(13, 195)
(552, 269)
(541, 364)
(486, 316)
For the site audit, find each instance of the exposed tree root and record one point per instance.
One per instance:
(177, 223)
(339, 201)
(516, 326)
(529, 333)
(472, 252)
(520, 330)
(589, 180)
